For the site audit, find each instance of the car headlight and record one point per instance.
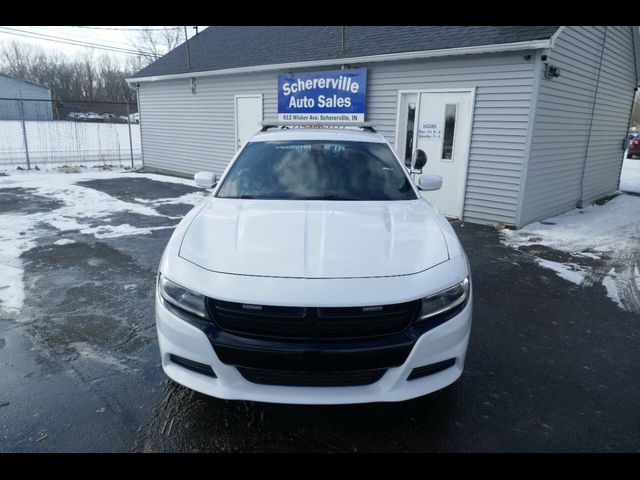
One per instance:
(182, 298)
(445, 300)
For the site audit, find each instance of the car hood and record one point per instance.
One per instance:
(314, 239)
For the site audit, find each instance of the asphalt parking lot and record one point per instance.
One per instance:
(550, 367)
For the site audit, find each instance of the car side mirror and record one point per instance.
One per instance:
(418, 160)
(429, 183)
(205, 179)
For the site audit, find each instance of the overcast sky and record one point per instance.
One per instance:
(104, 35)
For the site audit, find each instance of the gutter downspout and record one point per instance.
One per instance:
(593, 109)
(136, 87)
(140, 125)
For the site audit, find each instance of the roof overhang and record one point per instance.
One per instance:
(496, 48)
(25, 81)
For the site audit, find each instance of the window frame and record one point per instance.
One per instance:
(444, 126)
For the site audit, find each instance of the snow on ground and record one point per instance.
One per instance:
(81, 205)
(569, 271)
(37, 179)
(630, 176)
(64, 241)
(608, 234)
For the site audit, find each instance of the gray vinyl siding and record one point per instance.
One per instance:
(14, 88)
(503, 85)
(561, 140)
(611, 114)
(185, 132)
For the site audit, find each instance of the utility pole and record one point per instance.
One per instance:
(188, 52)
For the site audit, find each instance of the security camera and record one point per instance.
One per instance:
(551, 71)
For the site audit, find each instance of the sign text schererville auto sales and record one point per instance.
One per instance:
(322, 96)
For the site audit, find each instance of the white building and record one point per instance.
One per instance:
(12, 90)
(521, 122)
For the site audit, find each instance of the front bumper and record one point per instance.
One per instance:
(221, 352)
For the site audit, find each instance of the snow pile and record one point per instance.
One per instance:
(81, 205)
(630, 176)
(609, 234)
(14, 239)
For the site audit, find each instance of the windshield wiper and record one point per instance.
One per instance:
(330, 196)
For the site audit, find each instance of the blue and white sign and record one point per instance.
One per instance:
(322, 97)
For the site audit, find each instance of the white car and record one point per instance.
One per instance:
(92, 116)
(315, 274)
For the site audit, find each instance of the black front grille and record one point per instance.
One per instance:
(312, 379)
(312, 323)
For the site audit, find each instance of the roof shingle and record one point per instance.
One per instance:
(218, 48)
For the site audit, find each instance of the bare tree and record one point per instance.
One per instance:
(137, 63)
(15, 58)
(89, 78)
(152, 43)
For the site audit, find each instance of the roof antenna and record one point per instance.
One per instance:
(188, 51)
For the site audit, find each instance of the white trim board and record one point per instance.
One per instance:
(531, 119)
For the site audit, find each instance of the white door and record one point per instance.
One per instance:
(248, 117)
(444, 133)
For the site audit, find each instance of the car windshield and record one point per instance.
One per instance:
(317, 170)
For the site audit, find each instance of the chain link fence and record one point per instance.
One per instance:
(47, 134)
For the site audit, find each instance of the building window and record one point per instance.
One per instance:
(450, 111)
(411, 120)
